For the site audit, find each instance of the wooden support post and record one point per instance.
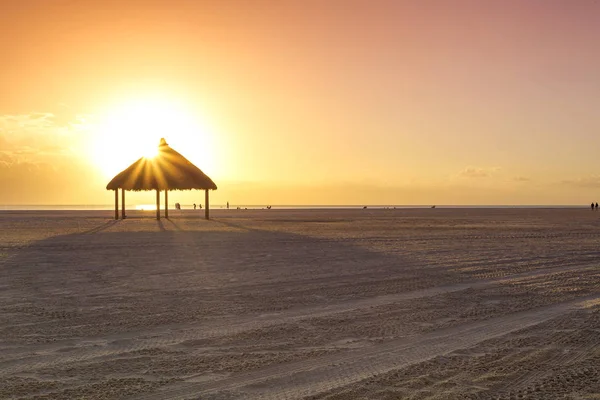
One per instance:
(157, 204)
(167, 203)
(122, 203)
(117, 203)
(206, 203)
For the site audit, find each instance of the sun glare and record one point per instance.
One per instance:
(151, 152)
(133, 130)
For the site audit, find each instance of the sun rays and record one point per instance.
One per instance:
(132, 130)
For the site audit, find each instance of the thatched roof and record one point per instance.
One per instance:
(168, 170)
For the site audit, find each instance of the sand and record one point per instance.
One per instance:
(301, 304)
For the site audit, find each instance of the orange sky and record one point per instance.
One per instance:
(306, 102)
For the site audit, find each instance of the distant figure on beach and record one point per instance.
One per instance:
(194, 206)
(592, 206)
(177, 206)
(596, 206)
(200, 206)
(228, 205)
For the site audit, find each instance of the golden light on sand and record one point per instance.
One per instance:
(133, 129)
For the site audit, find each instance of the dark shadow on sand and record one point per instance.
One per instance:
(237, 226)
(156, 278)
(177, 227)
(101, 227)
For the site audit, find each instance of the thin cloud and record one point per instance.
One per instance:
(6, 159)
(65, 115)
(478, 172)
(521, 179)
(40, 115)
(36, 137)
(585, 182)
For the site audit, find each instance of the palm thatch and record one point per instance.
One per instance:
(168, 170)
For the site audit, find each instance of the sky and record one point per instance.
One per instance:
(304, 102)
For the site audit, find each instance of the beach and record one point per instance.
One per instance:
(301, 304)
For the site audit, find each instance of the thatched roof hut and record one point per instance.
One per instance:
(168, 170)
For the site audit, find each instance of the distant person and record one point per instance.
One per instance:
(200, 206)
(596, 206)
(228, 205)
(194, 206)
(592, 206)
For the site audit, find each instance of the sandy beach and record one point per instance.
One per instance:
(301, 304)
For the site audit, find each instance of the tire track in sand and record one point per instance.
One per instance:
(296, 380)
(547, 369)
(48, 355)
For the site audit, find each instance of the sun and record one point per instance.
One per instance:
(133, 129)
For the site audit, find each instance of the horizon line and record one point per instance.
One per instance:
(231, 205)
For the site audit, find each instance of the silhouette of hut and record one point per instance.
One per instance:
(168, 170)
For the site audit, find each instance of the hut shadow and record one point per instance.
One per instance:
(236, 226)
(161, 226)
(93, 290)
(100, 228)
(82, 286)
(81, 270)
(177, 227)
